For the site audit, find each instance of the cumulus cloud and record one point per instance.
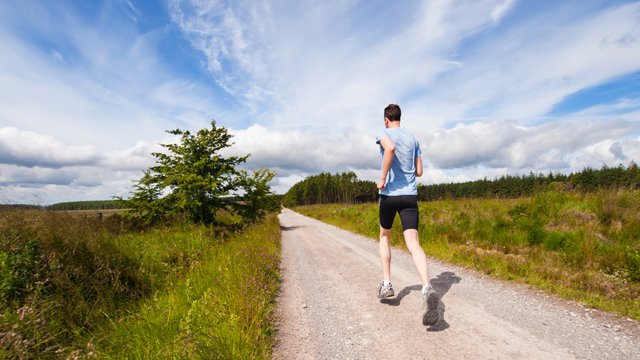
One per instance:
(73, 175)
(502, 144)
(26, 148)
(307, 152)
(467, 151)
(135, 158)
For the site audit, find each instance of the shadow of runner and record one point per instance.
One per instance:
(434, 316)
(290, 228)
(404, 292)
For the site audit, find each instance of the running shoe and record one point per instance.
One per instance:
(385, 291)
(430, 301)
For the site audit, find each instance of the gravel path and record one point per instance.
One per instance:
(328, 309)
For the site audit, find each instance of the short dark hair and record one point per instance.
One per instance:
(392, 112)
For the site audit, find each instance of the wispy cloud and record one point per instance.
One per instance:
(113, 82)
(500, 10)
(230, 37)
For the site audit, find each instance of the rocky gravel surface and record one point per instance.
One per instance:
(328, 309)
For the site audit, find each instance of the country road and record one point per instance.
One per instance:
(328, 309)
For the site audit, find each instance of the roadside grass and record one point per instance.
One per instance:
(221, 310)
(75, 287)
(583, 247)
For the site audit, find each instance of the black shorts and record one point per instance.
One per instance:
(405, 205)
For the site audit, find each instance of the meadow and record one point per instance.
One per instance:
(581, 246)
(76, 287)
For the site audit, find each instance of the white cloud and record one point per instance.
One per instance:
(501, 10)
(136, 158)
(544, 147)
(523, 72)
(112, 90)
(26, 148)
(45, 186)
(229, 36)
(305, 151)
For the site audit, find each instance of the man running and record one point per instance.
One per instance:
(401, 163)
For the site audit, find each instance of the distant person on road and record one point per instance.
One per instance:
(401, 164)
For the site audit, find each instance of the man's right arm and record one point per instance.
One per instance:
(387, 160)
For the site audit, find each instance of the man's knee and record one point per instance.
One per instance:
(411, 238)
(385, 232)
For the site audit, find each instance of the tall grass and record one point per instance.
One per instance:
(69, 285)
(220, 310)
(585, 247)
(58, 275)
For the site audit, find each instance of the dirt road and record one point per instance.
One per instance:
(328, 309)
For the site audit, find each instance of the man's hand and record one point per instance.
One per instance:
(381, 184)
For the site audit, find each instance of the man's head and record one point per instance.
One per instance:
(392, 112)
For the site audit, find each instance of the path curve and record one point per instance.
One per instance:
(327, 309)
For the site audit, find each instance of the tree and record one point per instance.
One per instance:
(146, 205)
(258, 200)
(197, 181)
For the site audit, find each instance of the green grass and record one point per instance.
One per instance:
(77, 287)
(220, 310)
(584, 247)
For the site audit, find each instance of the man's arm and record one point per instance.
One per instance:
(418, 166)
(387, 160)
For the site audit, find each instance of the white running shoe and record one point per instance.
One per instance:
(385, 291)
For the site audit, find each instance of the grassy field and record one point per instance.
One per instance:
(584, 247)
(76, 287)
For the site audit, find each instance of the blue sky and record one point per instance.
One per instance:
(489, 87)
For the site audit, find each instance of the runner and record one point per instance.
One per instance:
(401, 164)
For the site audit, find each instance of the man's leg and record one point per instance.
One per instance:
(385, 253)
(430, 299)
(418, 255)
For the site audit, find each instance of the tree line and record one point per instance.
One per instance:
(508, 186)
(327, 188)
(87, 205)
(346, 188)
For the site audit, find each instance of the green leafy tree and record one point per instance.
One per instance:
(194, 179)
(258, 200)
(147, 206)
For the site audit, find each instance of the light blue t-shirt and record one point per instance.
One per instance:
(401, 179)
